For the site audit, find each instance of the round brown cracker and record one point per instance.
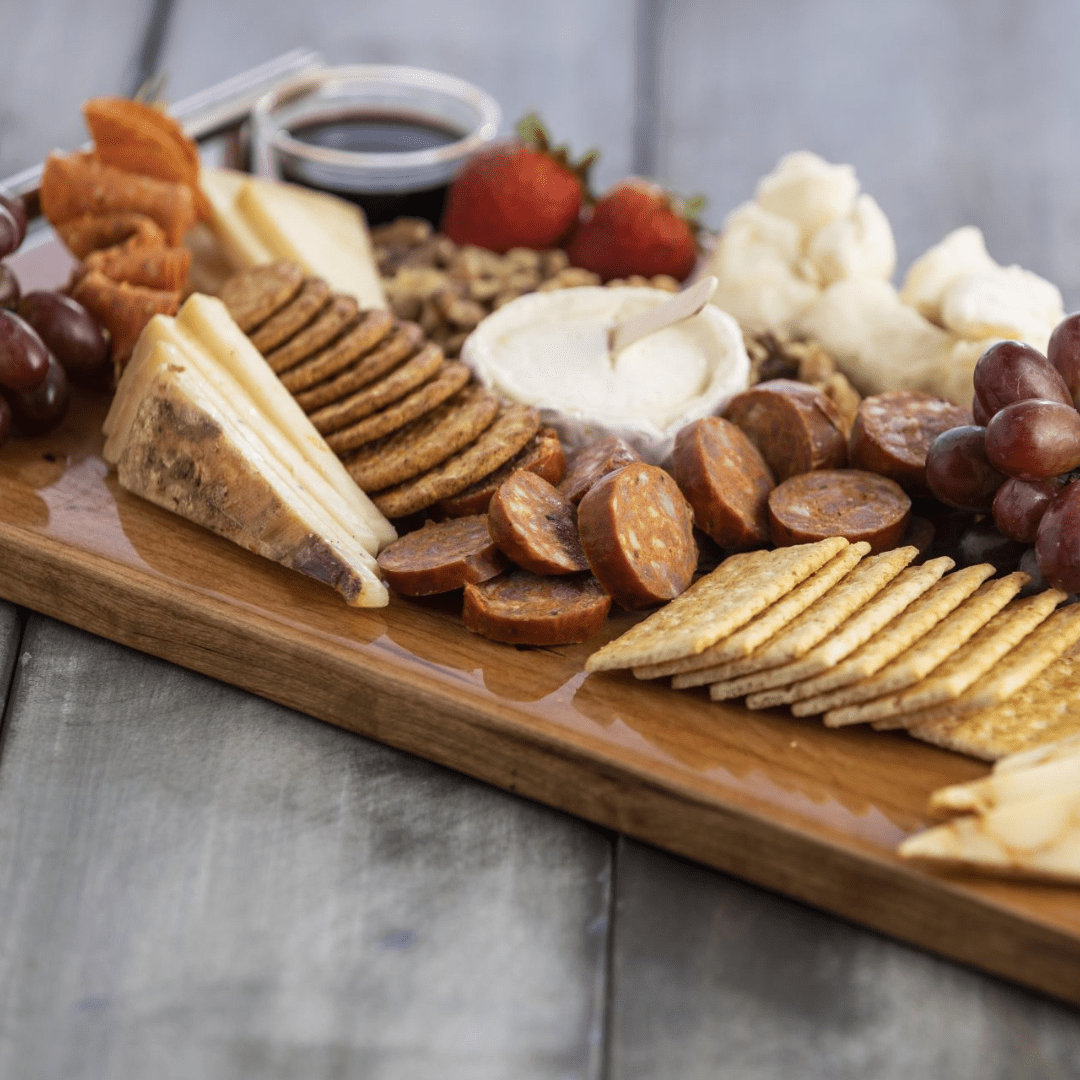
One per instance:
(378, 395)
(509, 432)
(400, 345)
(335, 318)
(313, 296)
(449, 380)
(426, 442)
(252, 296)
(353, 344)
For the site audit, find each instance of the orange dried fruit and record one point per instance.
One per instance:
(93, 232)
(156, 268)
(139, 138)
(76, 184)
(123, 309)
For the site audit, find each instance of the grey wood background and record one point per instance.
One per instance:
(197, 883)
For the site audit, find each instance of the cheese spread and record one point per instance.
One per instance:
(550, 350)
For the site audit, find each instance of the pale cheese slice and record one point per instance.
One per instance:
(162, 329)
(187, 449)
(324, 234)
(242, 246)
(1034, 837)
(209, 320)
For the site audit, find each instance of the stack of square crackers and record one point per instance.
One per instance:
(958, 659)
(411, 427)
(1021, 819)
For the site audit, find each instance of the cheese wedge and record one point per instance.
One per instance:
(1038, 837)
(260, 220)
(209, 321)
(179, 442)
(168, 331)
(242, 246)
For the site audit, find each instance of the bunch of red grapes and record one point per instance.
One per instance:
(45, 339)
(1017, 460)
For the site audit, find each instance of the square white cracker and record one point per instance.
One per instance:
(970, 662)
(971, 730)
(819, 620)
(715, 605)
(776, 686)
(774, 618)
(916, 662)
(890, 641)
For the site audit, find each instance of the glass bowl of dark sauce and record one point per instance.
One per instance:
(389, 138)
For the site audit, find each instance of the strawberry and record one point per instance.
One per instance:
(638, 228)
(517, 194)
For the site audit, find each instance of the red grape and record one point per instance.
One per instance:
(1011, 371)
(5, 420)
(980, 412)
(1034, 439)
(958, 472)
(17, 211)
(69, 333)
(1064, 353)
(24, 359)
(1019, 506)
(41, 409)
(1057, 547)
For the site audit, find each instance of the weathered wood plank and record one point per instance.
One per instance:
(951, 114)
(713, 977)
(53, 56)
(573, 62)
(196, 882)
(10, 633)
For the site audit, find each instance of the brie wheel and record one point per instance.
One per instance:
(550, 350)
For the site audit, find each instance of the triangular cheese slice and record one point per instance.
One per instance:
(327, 236)
(234, 233)
(1038, 837)
(184, 447)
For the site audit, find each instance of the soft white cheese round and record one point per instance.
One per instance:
(550, 350)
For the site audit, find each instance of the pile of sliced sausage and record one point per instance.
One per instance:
(556, 546)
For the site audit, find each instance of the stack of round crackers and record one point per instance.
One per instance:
(412, 428)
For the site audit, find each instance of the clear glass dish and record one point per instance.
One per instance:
(386, 136)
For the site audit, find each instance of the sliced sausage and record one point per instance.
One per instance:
(726, 481)
(796, 427)
(543, 455)
(589, 466)
(523, 609)
(534, 525)
(839, 502)
(893, 431)
(440, 557)
(638, 534)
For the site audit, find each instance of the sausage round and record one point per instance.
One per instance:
(535, 526)
(523, 609)
(440, 557)
(726, 481)
(839, 502)
(638, 534)
(795, 427)
(543, 455)
(590, 465)
(893, 431)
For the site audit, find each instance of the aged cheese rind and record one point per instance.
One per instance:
(185, 450)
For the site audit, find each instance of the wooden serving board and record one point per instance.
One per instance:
(812, 813)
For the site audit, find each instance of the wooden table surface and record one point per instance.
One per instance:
(197, 883)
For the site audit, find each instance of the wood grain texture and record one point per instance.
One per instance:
(925, 99)
(53, 56)
(573, 62)
(716, 978)
(812, 813)
(198, 883)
